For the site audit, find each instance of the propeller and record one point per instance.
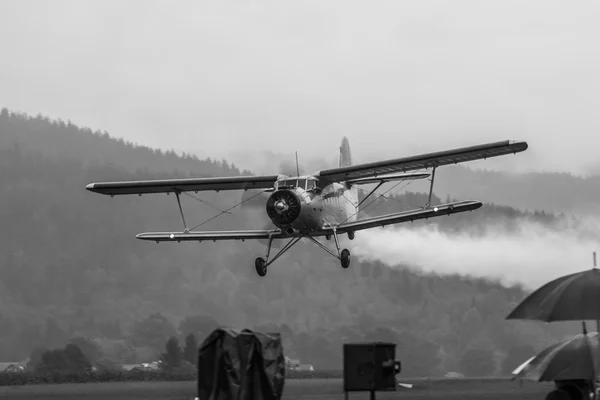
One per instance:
(283, 207)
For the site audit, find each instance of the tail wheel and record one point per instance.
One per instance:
(345, 258)
(261, 266)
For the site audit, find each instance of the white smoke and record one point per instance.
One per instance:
(532, 256)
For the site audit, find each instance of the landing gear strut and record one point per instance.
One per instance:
(261, 264)
(342, 255)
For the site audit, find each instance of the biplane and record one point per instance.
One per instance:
(323, 204)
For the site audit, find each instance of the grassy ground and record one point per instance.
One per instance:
(313, 389)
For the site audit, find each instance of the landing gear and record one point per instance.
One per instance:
(351, 235)
(342, 255)
(345, 258)
(261, 266)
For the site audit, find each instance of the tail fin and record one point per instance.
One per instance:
(345, 155)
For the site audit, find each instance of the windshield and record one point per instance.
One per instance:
(304, 183)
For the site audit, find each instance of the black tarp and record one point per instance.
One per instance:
(241, 365)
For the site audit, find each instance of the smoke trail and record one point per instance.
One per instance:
(531, 256)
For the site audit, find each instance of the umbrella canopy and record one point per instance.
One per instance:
(523, 366)
(573, 358)
(573, 297)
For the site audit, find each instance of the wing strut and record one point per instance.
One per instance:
(428, 205)
(185, 228)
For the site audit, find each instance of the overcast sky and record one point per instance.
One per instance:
(396, 77)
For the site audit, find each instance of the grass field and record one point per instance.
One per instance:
(313, 389)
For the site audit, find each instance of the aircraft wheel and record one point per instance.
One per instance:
(345, 256)
(351, 235)
(261, 266)
(328, 237)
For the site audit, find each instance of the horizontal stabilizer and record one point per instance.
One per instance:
(387, 178)
(409, 216)
(209, 235)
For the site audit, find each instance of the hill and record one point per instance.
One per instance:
(70, 266)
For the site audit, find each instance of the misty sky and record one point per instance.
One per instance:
(396, 77)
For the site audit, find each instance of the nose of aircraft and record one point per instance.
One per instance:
(280, 205)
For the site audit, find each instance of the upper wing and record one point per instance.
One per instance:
(183, 185)
(211, 235)
(406, 216)
(423, 161)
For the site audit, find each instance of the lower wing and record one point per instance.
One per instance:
(389, 219)
(407, 216)
(211, 235)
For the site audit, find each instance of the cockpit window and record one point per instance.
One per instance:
(306, 184)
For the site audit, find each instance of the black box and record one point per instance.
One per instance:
(370, 367)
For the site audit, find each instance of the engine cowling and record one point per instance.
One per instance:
(283, 207)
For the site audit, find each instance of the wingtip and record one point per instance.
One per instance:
(521, 143)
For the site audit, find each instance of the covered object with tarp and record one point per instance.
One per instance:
(241, 365)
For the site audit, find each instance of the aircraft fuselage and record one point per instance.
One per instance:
(300, 205)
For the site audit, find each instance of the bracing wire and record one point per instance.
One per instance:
(381, 195)
(227, 210)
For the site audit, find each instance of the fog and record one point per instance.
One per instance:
(397, 78)
(532, 256)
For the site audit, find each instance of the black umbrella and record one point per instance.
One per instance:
(573, 358)
(573, 297)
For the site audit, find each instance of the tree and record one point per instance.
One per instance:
(76, 360)
(153, 331)
(420, 356)
(173, 356)
(190, 351)
(35, 358)
(89, 348)
(52, 361)
(199, 325)
(69, 360)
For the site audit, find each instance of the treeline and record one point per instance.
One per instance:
(58, 138)
(83, 360)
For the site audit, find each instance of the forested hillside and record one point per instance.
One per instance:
(70, 266)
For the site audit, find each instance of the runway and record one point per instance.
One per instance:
(313, 389)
